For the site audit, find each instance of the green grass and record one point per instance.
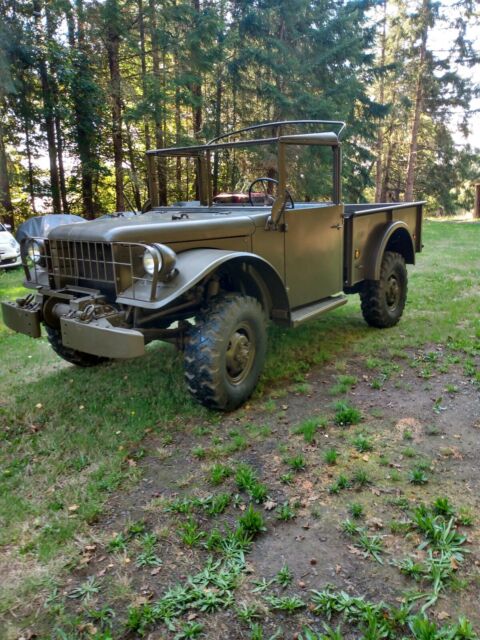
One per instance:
(72, 437)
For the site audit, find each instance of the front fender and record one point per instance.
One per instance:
(194, 265)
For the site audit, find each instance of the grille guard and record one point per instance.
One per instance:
(101, 265)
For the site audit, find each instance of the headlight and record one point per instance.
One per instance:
(161, 259)
(13, 243)
(35, 252)
(150, 257)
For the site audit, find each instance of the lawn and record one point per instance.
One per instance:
(115, 485)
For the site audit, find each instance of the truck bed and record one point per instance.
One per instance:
(364, 226)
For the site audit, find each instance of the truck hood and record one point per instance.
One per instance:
(163, 226)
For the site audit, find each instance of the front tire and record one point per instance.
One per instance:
(225, 352)
(78, 358)
(383, 301)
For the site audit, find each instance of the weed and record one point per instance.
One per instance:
(432, 430)
(287, 478)
(371, 545)
(342, 482)
(284, 577)
(344, 383)
(350, 528)
(356, 510)
(395, 475)
(417, 476)
(218, 473)
(303, 388)
(287, 604)
(262, 585)
(252, 521)
(296, 463)
(103, 616)
(86, 590)
(377, 383)
(330, 456)
(285, 512)
(346, 415)
(443, 507)
(362, 444)
(245, 477)
(258, 492)
(217, 504)
(410, 568)
(360, 478)
(199, 452)
(328, 634)
(190, 629)
(238, 443)
(308, 428)
(117, 543)
(248, 612)
(191, 534)
(398, 527)
(148, 558)
(136, 529)
(407, 434)
(409, 452)
(465, 517)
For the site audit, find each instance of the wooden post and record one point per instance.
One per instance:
(476, 209)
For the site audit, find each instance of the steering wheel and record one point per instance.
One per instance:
(268, 198)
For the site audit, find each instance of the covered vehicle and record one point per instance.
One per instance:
(9, 248)
(40, 226)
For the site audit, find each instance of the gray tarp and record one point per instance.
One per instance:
(40, 226)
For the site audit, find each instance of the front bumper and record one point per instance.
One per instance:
(9, 258)
(97, 336)
(22, 319)
(101, 338)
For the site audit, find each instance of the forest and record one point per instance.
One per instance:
(87, 86)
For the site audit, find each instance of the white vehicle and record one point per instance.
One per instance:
(9, 248)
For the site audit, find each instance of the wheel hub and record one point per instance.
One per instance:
(392, 292)
(239, 356)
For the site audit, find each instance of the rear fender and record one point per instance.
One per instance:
(395, 236)
(247, 272)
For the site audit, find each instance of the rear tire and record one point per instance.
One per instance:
(78, 358)
(383, 301)
(225, 352)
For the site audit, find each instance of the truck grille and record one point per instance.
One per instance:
(77, 262)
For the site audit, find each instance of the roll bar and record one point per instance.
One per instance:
(202, 151)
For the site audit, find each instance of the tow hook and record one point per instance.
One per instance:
(26, 302)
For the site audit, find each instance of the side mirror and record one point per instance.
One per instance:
(8, 227)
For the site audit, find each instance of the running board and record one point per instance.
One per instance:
(312, 311)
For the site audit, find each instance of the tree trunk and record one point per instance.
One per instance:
(159, 140)
(133, 169)
(82, 105)
(48, 111)
(218, 126)
(28, 149)
(476, 210)
(61, 169)
(152, 182)
(196, 93)
(6, 206)
(379, 145)
(113, 47)
(178, 131)
(418, 105)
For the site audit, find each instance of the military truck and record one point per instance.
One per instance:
(209, 275)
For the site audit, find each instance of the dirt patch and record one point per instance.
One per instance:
(422, 413)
